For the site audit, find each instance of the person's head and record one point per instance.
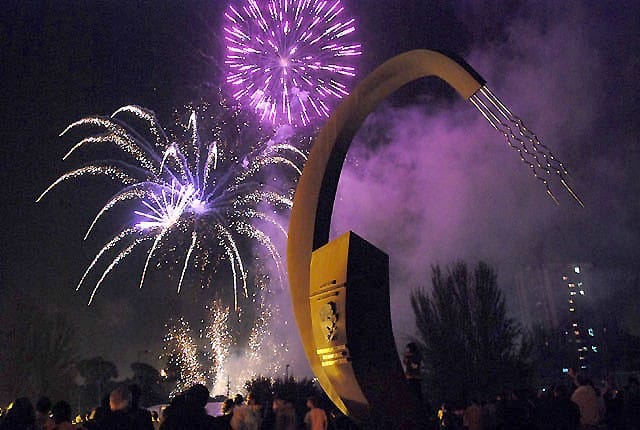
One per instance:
(120, 399)
(197, 396)
(227, 406)
(582, 379)
(61, 412)
(560, 392)
(98, 413)
(238, 399)
(136, 393)
(277, 403)
(20, 413)
(43, 405)
(312, 402)
(411, 348)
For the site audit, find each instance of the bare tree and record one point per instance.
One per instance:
(38, 354)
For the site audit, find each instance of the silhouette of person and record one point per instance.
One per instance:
(285, 414)
(189, 412)
(316, 418)
(43, 409)
(564, 414)
(412, 362)
(249, 416)
(19, 416)
(61, 413)
(119, 404)
(141, 417)
(223, 422)
(586, 398)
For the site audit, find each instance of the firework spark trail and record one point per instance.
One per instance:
(287, 58)
(264, 217)
(219, 341)
(112, 172)
(112, 243)
(114, 133)
(254, 233)
(262, 343)
(121, 256)
(181, 352)
(194, 240)
(543, 164)
(263, 354)
(131, 193)
(182, 187)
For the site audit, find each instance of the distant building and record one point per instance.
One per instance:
(556, 297)
(581, 331)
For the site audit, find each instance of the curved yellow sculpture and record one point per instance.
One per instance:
(315, 194)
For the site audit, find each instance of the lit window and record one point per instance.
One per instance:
(582, 292)
(576, 269)
(572, 285)
(575, 324)
(591, 333)
(572, 309)
(571, 301)
(579, 284)
(564, 278)
(572, 293)
(594, 348)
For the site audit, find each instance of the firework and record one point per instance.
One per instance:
(188, 195)
(289, 59)
(265, 352)
(181, 353)
(216, 334)
(215, 359)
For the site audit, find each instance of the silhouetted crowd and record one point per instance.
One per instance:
(582, 406)
(187, 411)
(579, 407)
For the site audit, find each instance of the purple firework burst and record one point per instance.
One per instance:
(289, 59)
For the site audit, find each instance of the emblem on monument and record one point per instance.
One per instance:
(329, 320)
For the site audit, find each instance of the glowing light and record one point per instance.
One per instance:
(289, 59)
(185, 187)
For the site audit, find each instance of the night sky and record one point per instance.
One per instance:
(427, 180)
